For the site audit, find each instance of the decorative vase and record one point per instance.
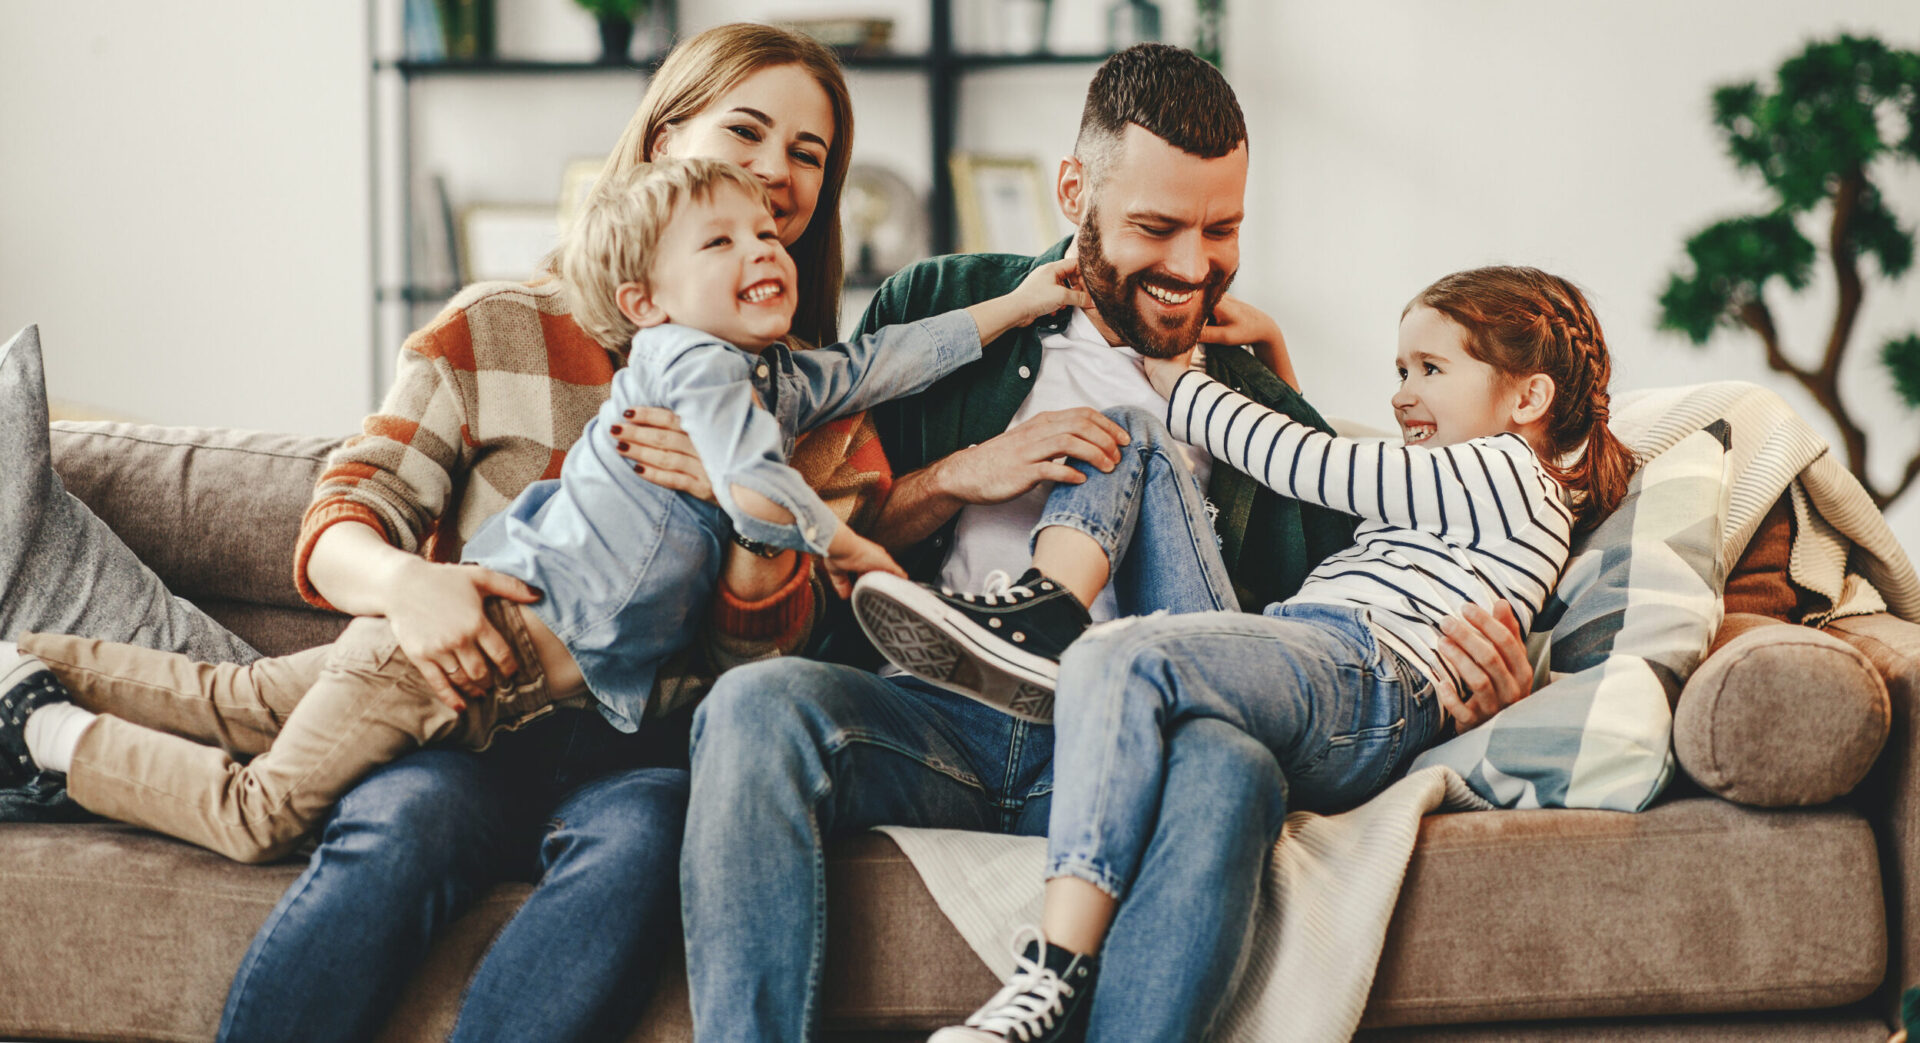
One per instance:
(616, 35)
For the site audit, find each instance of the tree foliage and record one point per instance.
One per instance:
(1812, 137)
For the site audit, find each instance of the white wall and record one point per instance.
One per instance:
(1397, 141)
(185, 210)
(183, 207)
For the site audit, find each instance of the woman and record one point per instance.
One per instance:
(486, 400)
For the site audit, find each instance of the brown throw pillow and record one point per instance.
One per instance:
(1781, 715)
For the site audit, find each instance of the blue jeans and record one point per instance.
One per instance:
(410, 848)
(789, 754)
(1177, 568)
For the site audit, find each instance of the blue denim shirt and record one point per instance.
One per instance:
(626, 568)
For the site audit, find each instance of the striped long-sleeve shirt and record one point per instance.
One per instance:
(1472, 522)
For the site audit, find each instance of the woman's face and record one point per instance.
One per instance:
(778, 123)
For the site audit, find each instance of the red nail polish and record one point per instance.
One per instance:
(628, 414)
(623, 447)
(637, 469)
(616, 429)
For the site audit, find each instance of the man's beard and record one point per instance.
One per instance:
(1160, 337)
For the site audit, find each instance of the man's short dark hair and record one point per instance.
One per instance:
(1169, 91)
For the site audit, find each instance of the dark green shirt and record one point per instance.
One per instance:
(1269, 542)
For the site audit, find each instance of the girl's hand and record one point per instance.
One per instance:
(851, 554)
(1163, 374)
(436, 615)
(1237, 322)
(661, 452)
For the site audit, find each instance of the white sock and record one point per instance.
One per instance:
(53, 733)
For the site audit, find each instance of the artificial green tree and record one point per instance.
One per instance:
(1835, 109)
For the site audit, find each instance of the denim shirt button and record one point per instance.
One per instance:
(761, 371)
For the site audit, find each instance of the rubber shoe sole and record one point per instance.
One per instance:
(920, 634)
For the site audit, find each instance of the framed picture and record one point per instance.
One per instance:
(576, 183)
(505, 242)
(1002, 204)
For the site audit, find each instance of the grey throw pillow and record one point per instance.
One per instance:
(61, 569)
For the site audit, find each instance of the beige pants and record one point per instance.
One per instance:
(162, 755)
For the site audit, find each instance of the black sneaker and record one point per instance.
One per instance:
(1001, 646)
(1044, 1002)
(25, 686)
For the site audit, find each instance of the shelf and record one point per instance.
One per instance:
(852, 60)
(416, 294)
(512, 66)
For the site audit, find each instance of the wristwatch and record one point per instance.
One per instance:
(756, 548)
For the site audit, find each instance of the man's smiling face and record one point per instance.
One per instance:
(1160, 241)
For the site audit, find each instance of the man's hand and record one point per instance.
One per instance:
(851, 555)
(661, 452)
(1028, 453)
(435, 611)
(1237, 322)
(1485, 649)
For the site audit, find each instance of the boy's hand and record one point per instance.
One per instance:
(1048, 289)
(851, 554)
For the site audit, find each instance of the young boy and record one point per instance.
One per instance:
(687, 257)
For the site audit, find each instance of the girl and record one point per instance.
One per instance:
(1506, 454)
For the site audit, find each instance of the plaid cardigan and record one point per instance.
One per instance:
(485, 401)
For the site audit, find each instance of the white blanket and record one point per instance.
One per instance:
(1328, 893)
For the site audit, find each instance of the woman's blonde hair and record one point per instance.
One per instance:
(712, 63)
(616, 236)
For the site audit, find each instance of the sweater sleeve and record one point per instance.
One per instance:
(1473, 493)
(397, 475)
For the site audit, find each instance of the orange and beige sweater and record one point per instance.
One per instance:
(486, 400)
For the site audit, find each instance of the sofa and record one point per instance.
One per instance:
(1697, 919)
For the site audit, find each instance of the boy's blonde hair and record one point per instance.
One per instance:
(616, 234)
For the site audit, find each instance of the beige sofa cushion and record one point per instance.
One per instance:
(1781, 715)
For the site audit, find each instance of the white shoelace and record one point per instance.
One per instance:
(999, 585)
(1032, 999)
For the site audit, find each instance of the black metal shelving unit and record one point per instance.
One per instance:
(942, 65)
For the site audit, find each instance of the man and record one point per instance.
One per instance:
(789, 753)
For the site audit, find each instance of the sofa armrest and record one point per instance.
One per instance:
(1891, 794)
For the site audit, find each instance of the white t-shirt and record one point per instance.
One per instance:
(1077, 368)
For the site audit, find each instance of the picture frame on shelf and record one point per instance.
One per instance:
(1002, 204)
(506, 241)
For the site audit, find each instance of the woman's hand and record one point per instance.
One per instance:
(436, 615)
(850, 555)
(661, 452)
(1485, 649)
(1237, 322)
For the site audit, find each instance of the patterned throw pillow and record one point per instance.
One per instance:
(1633, 615)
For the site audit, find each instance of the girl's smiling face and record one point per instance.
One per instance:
(777, 123)
(1446, 395)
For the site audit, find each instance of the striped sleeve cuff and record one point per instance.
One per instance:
(1184, 403)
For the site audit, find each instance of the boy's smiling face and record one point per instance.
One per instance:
(720, 268)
